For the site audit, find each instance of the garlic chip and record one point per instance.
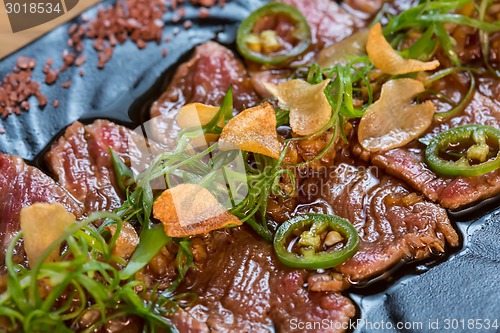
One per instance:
(385, 58)
(339, 53)
(394, 120)
(196, 115)
(126, 242)
(42, 224)
(307, 103)
(252, 130)
(190, 209)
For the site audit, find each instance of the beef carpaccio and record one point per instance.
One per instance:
(22, 185)
(393, 200)
(409, 165)
(394, 224)
(81, 162)
(244, 288)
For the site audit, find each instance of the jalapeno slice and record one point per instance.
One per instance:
(268, 48)
(315, 241)
(469, 150)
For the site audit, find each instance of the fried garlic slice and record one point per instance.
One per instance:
(190, 209)
(196, 115)
(252, 130)
(394, 120)
(385, 58)
(307, 103)
(339, 53)
(42, 224)
(126, 242)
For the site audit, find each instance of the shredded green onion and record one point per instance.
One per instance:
(86, 274)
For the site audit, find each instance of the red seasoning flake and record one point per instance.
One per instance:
(164, 52)
(203, 13)
(138, 20)
(180, 14)
(2, 130)
(51, 76)
(25, 105)
(17, 87)
(104, 56)
(55, 103)
(204, 3)
(68, 58)
(66, 84)
(81, 72)
(73, 28)
(141, 44)
(187, 24)
(42, 100)
(26, 63)
(48, 65)
(80, 60)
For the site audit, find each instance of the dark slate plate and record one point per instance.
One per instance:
(456, 293)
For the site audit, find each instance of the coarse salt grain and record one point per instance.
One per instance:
(203, 13)
(66, 84)
(17, 87)
(187, 24)
(80, 60)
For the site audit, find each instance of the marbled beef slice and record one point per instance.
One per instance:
(393, 223)
(205, 78)
(243, 287)
(81, 162)
(22, 185)
(408, 163)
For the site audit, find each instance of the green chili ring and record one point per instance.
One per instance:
(321, 260)
(461, 167)
(303, 33)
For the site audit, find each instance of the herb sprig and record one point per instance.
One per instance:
(56, 296)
